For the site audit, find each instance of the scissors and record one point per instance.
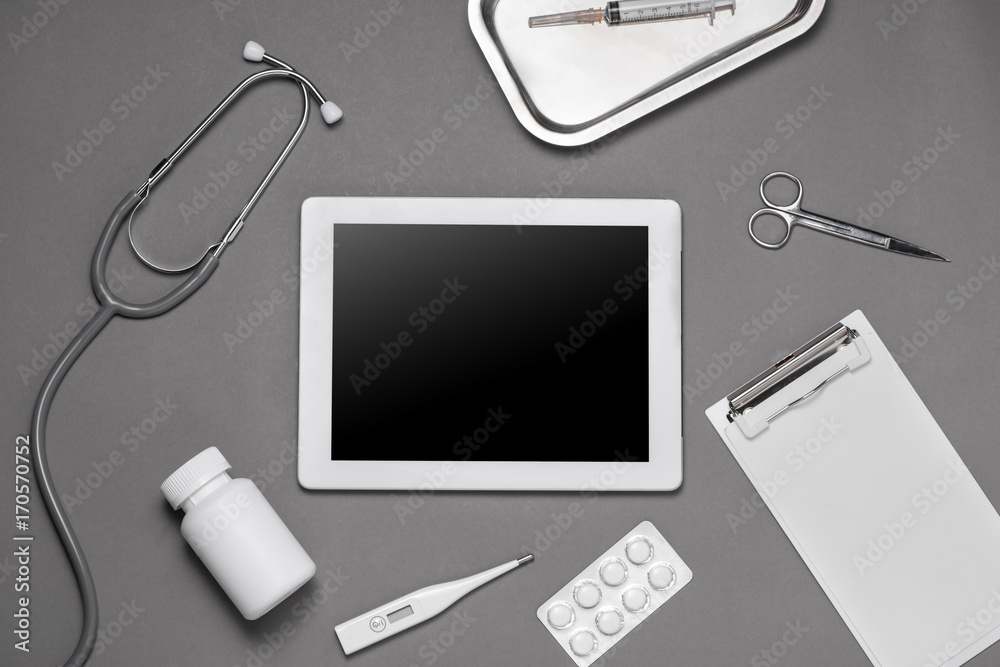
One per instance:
(792, 215)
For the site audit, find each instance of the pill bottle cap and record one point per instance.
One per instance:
(193, 475)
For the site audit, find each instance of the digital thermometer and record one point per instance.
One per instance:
(412, 609)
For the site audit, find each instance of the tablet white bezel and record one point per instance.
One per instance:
(663, 471)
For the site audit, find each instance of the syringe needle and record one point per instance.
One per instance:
(567, 18)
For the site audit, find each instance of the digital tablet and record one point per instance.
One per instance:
(490, 344)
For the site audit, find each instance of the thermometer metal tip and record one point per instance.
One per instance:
(417, 607)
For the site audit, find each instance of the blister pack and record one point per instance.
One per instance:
(613, 595)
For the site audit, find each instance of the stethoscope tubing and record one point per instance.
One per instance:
(111, 305)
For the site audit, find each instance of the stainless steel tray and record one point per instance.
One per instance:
(574, 84)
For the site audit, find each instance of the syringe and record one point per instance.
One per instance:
(631, 12)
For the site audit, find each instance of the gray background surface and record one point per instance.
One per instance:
(890, 96)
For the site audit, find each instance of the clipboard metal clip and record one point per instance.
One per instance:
(838, 349)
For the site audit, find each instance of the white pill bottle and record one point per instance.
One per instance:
(237, 534)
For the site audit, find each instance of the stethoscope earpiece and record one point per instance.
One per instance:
(253, 52)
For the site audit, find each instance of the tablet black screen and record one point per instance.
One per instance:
(489, 343)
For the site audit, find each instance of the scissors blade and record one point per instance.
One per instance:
(896, 245)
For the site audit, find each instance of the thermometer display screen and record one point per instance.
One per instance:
(400, 614)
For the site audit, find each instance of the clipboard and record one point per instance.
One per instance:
(873, 497)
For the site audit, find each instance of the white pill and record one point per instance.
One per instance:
(583, 642)
(635, 598)
(561, 616)
(587, 594)
(639, 550)
(662, 576)
(613, 572)
(610, 621)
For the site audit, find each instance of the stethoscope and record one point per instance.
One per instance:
(111, 305)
